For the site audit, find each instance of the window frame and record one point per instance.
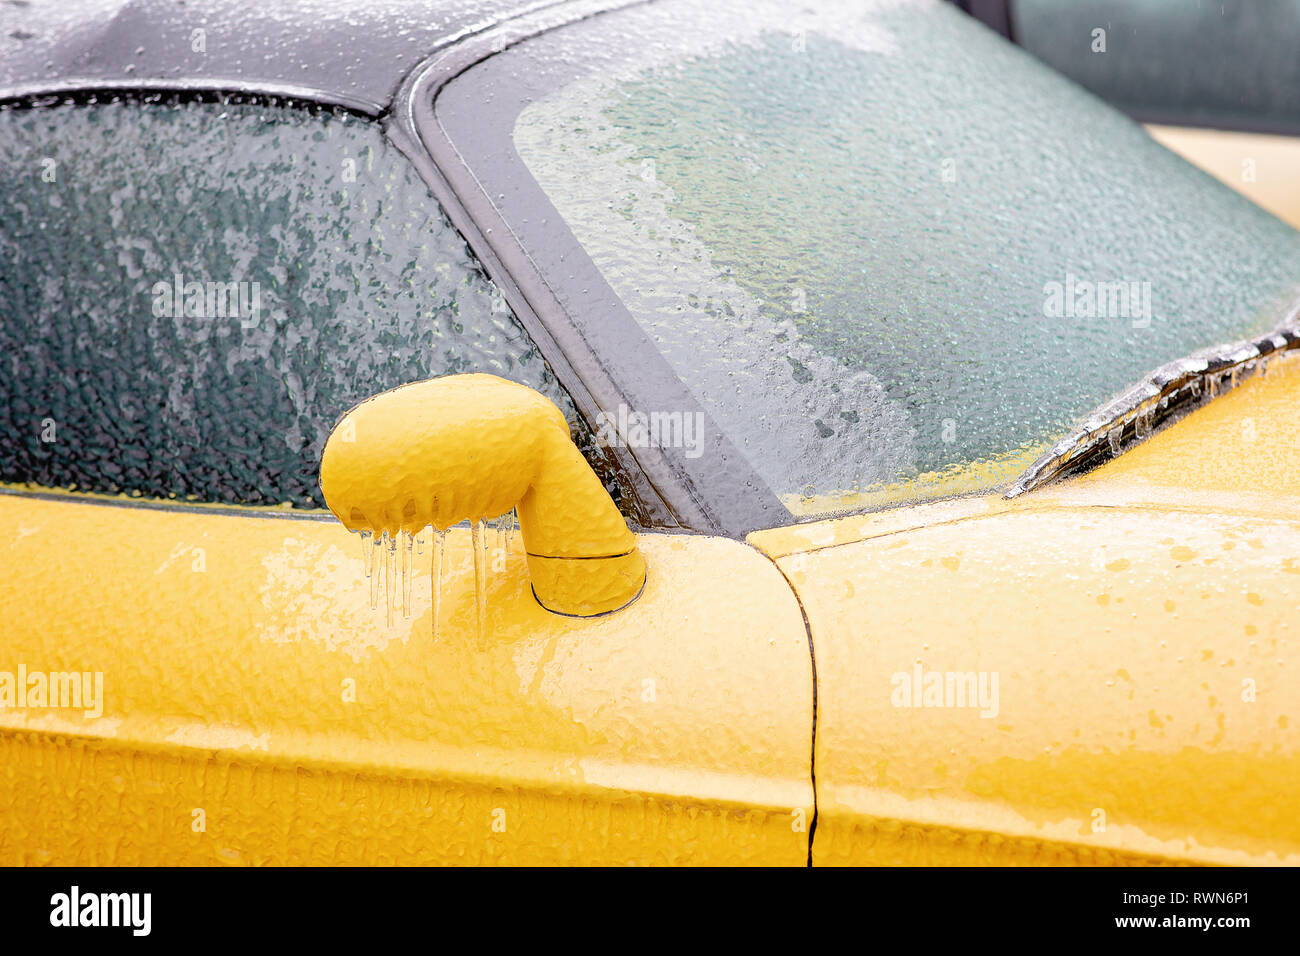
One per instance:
(675, 499)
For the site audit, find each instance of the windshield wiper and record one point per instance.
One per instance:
(1168, 393)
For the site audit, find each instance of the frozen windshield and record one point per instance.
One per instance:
(890, 255)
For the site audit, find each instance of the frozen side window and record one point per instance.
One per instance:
(192, 293)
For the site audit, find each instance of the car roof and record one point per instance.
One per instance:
(354, 52)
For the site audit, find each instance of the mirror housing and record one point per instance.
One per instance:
(472, 447)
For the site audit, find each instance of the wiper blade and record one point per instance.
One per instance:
(1169, 392)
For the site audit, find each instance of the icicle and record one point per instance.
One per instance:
(390, 576)
(1113, 438)
(419, 542)
(510, 529)
(408, 573)
(367, 550)
(1142, 425)
(435, 577)
(376, 566)
(478, 541)
(501, 533)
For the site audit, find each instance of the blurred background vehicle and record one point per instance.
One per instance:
(1216, 82)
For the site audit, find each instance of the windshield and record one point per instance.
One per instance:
(891, 256)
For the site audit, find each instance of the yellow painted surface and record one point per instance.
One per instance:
(957, 479)
(469, 447)
(249, 689)
(1141, 622)
(1260, 167)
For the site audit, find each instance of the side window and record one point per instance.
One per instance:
(192, 293)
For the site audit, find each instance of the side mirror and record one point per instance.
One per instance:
(472, 447)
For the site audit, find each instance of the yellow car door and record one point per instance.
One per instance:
(255, 709)
(190, 667)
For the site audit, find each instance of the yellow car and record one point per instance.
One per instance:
(603, 433)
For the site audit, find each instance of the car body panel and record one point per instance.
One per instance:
(245, 675)
(1139, 621)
